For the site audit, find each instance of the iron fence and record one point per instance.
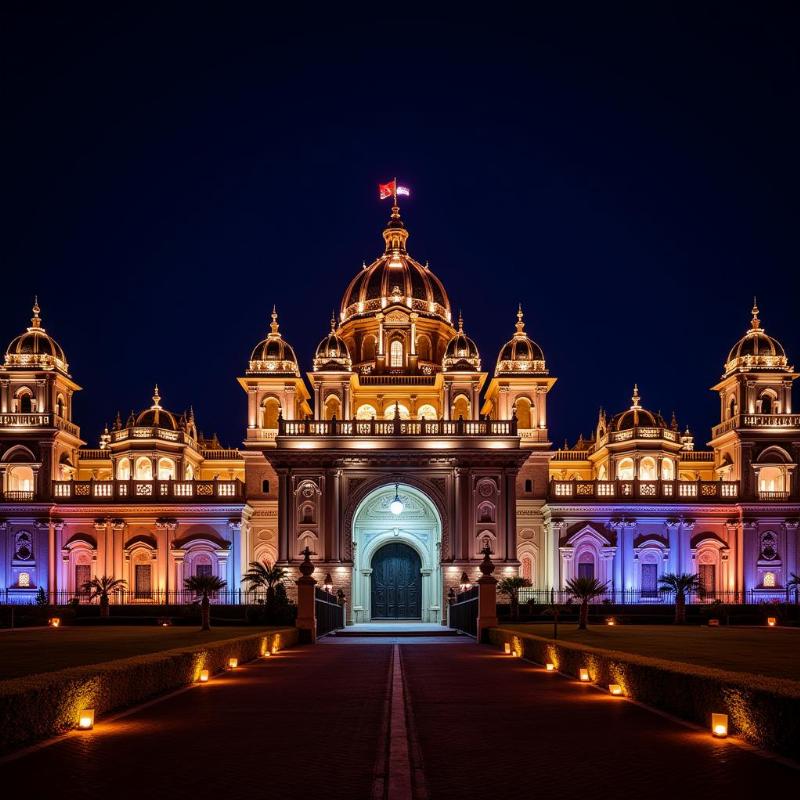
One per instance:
(633, 597)
(463, 613)
(225, 597)
(330, 613)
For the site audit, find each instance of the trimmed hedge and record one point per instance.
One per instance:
(47, 704)
(764, 711)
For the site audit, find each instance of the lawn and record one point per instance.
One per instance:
(27, 651)
(764, 651)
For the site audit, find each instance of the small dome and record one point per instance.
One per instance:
(461, 353)
(36, 348)
(636, 416)
(332, 353)
(756, 350)
(156, 417)
(395, 279)
(520, 354)
(273, 356)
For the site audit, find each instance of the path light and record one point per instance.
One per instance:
(550, 667)
(719, 725)
(86, 719)
(203, 676)
(772, 621)
(615, 688)
(233, 663)
(54, 622)
(396, 506)
(507, 648)
(584, 674)
(611, 621)
(713, 623)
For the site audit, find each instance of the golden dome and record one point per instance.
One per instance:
(36, 348)
(461, 353)
(332, 353)
(395, 279)
(273, 356)
(636, 416)
(520, 355)
(156, 417)
(756, 350)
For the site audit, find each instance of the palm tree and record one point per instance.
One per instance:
(680, 585)
(102, 587)
(264, 574)
(585, 589)
(203, 586)
(510, 587)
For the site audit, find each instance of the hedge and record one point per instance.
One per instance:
(764, 711)
(39, 706)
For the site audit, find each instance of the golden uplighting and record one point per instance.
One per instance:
(203, 676)
(233, 663)
(611, 621)
(507, 647)
(54, 622)
(772, 621)
(584, 674)
(550, 667)
(719, 725)
(615, 689)
(86, 719)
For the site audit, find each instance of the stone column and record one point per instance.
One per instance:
(487, 597)
(306, 603)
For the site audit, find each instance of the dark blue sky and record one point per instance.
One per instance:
(630, 176)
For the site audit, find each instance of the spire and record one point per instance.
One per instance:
(273, 326)
(35, 321)
(333, 322)
(635, 398)
(156, 398)
(460, 322)
(520, 325)
(755, 322)
(395, 233)
(674, 423)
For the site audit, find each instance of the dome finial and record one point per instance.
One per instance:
(635, 397)
(273, 326)
(333, 321)
(35, 321)
(156, 398)
(755, 322)
(460, 322)
(520, 325)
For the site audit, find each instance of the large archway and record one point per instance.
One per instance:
(417, 527)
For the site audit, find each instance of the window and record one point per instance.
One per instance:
(25, 404)
(24, 580)
(203, 570)
(83, 574)
(123, 469)
(649, 580)
(625, 469)
(647, 469)
(424, 348)
(144, 469)
(732, 408)
(769, 580)
(522, 408)
(708, 578)
(142, 579)
(269, 413)
(20, 479)
(770, 479)
(586, 569)
(333, 408)
(461, 408)
(426, 411)
(396, 353)
(60, 406)
(265, 486)
(667, 470)
(166, 469)
(366, 411)
(528, 485)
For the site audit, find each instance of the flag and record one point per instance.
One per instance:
(404, 190)
(387, 189)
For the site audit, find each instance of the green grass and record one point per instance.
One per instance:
(774, 652)
(28, 651)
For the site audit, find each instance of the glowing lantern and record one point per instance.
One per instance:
(611, 621)
(615, 689)
(713, 623)
(507, 647)
(772, 621)
(86, 719)
(396, 506)
(550, 667)
(719, 725)
(233, 663)
(54, 622)
(203, 676)
(584, 674)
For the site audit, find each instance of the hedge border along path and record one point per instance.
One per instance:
(764, 711)
(47, 704)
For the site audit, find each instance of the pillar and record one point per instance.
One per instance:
(487, 597)
(306, 601)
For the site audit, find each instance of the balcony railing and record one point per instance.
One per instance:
(640, 432)
(179, 437)
(148, 491)
(38, 420)
(756, 421)
(221, 454)
(19, 497)
(644, 490)
(697, 455)
(765, 495)
(397, 427)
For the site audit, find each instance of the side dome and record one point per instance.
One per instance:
(520, 355)
(36, 348)
(756, 350)
(273, 356)
(395, 278)
(461, 353)
(636, 416)
(155, 416)
(332, 353)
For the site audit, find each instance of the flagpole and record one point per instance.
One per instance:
(395, 191)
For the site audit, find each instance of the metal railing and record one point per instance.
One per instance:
(463, 613)
(643, 489)
(397, 427)
(330, 613)
(94, 491)
(134, 597)
(546, 597)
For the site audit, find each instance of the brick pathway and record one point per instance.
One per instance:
(310, 723)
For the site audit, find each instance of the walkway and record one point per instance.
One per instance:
(328, 721)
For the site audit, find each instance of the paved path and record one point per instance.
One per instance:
(411, 720)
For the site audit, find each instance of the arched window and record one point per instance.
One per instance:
(423, 347)
(426, 411)
(166, 469)
(707, 560)
(20, 479)
(25, 402)
(732, 407)
(366, 411)
(767, 402)
(144, 469)
(123, 469)
(368, 348)
(770, 479)
(625, 469)
(647, 469)
(460, 408)
(61, 406)
(397, 408)
(586, 565)
(270, 411)
(667, 470)
(396, 353)
(523, 410)
(333, 408)
(769, 580)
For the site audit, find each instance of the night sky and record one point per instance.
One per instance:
(631, 177)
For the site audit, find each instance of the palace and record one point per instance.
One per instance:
(396, 459)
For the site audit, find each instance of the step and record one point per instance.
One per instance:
(394, 633)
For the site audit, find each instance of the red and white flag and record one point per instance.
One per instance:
(387, 189)
(404, 190)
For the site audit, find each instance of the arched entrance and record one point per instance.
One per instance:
(396, 558)
(396, 582)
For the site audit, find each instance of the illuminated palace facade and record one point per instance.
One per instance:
(396, 460)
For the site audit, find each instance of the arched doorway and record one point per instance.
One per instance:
(396, 553)
(396, 583)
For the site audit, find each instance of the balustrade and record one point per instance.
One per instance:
(644, 490)
(397, 427)
(143, 491)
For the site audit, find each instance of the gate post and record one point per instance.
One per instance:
(306, 601)
(487, 596)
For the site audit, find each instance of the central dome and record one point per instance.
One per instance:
(395, 279)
